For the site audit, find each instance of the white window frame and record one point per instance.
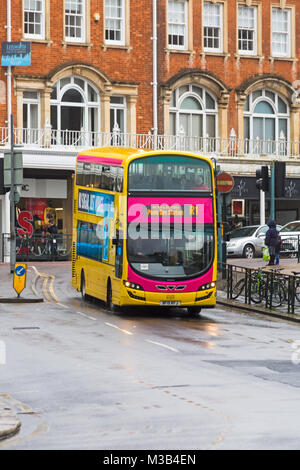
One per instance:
(247, 28)
(69, 83)
(220, 27)
(176, 23)
(115, 107)
(121, 19)
(287, 33)
(276, 116)
(187, 91)
(82, 37)
(36, 13)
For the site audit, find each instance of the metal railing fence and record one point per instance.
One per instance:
(38, 247)
(265, 288)
(67, 140)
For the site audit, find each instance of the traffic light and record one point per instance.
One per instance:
(262, 178)
(3, 189)
(279, 179)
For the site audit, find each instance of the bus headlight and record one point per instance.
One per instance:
(209, 285)
(132, 285)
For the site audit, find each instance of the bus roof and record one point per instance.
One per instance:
(108, 155)
(117, 155)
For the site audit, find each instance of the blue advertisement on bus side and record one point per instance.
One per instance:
(102, 205)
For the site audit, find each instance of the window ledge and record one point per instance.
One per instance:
(178, 51)
(225, 55)
(249, 56)
(115, 46)
(286, 59)
(48, 42)
(78, 44)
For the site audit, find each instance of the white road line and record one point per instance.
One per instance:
(120, 329)
(86, 316)
(62, 305)
(162, 345)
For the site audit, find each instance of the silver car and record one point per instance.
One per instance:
(247, 241)
(290, 236)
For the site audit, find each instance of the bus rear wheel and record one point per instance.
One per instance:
(82, 287)
(193, 311)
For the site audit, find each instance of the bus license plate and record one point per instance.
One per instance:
(170, 302)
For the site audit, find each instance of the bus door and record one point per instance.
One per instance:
(118, 242)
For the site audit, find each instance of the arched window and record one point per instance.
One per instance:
(266, 119)
(75, 107)
(193, 112)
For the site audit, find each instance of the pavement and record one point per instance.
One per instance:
(9, 422)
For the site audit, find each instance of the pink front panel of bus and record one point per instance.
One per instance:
(102, 160)
(160, 209)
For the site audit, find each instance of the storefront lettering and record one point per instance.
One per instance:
(26, 228)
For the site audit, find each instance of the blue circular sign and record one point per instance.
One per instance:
(20, 271)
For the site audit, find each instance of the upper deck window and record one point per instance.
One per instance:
(97, 175)
(169, 173)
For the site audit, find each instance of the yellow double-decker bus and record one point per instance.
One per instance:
(144, 228)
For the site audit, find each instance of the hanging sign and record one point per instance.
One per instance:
(16, 54)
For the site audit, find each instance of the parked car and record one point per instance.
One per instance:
(290, 236)
(247, 241)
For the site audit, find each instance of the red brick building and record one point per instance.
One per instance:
(225, 68)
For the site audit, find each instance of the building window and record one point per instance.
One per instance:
(193, 115)
(31, 116)
(247, 30)
(213, 26)
(281, 36)
(177, 24)
(118, 113)
(75, 112)
(115, 22)
(266, 121)
(75, 20)
(34, 19)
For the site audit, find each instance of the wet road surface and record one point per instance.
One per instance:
(82, 378)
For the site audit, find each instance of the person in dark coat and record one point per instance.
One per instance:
(271, 240)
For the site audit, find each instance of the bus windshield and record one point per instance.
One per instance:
(177, 255)
(169, 173)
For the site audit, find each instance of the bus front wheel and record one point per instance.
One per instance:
(193, 311)
(109, 304)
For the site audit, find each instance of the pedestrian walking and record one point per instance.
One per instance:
(271, 241)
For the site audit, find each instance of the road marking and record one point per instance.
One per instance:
(162, 345)
(62, 305)
(51, 288)
(47, 277)
(86, 316)
(120, 329)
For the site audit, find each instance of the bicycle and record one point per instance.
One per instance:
(260, 289)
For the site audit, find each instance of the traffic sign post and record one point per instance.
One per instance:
(20, 273)
(225, 184)
(13, 177)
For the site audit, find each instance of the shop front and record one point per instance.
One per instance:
(244, 201)
(44, 219)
